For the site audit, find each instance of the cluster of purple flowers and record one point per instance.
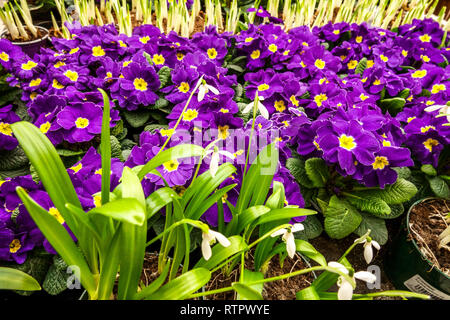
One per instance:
(18, 232)
(312, 94)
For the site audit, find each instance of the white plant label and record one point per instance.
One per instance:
(419, 285)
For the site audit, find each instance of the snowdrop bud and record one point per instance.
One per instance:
(368, 251)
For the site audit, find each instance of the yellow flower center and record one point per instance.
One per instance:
(126, 63)
(29, 65)
(430, 102)
(294, 100)
(280, 106)
(384, 58)
(166, 132)
(438, 88)
(248, 39)
(140, 84)
(320, 98)
(158, 59)
(369, 64)
(223, 110)
(5, 129)
(319, 63)
(337, 31)
(35, 82)
(255, 54)
(425, 58)
(59, 64)
(74, 50)
(430, 143)
(380, 163)
(14, 246)
(212, 53)
(57, 85)
(122, 44)
(72, 75)
(427, 128)
(97, 200)
(184, 87)
(419, 74)
(425, 38)
(180, 56)
(386, 143)
(302, 64)
(377, 82)
(273, 47)
(347, 142)
(55, 212)
(77, 168)
(144, 40)
(223, 131)
(352, 64)
(190, 114)
(81, 123)
(45, 127)
(171, 165)
(363, 97)
(98, 51)
(410, 119)
(4, 56)
(108, 75)
(263, 87)
(359, 39)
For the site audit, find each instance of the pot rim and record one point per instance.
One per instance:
(47, 33)
(413, 240)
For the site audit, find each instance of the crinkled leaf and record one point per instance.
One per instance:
(341, 218)
(317, 171)
(377, 226)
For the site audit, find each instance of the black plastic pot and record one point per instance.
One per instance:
(409, 269)
(32, 47)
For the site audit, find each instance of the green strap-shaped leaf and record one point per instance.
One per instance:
(283, 214)
(133, 239)
(105, 148)
(277, 198)
(109, 267)
(246, 292)
(59, 238)
(13, 279)
(159, 199)
(127, 210)
(181, 287)
(247, 217)
(177, 152)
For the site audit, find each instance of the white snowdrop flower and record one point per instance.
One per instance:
(368, 251)
(345, 291)
(215, 155)
(288, 237)
(209, 238)
(443, 109)
(262, 109)
(203, 89)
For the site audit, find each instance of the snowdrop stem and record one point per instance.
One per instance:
(194, 223)
(354, 244)
(281, 277)
(199, 82)
(268, 234)
(201, 160)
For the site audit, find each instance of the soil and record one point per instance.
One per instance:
(426, 222)
(276, 290)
